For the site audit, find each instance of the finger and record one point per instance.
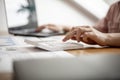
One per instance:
(78, 34)
(72, 28)
(84, 29)
(86, 26)
(80, 31)
(85, 39)
(50, 25)
(73, 38)
(69, 35)
(73, 32)
(40, 28)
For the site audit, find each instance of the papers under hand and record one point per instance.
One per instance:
(53, 44)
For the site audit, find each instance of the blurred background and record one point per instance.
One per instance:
(66, 12)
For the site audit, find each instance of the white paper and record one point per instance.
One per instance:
(6, 41)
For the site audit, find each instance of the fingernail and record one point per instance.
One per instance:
(63, 40)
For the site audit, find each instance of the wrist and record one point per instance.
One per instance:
(108, 39)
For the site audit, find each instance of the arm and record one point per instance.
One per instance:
(102, 25)
(90, 34)
(54, 27)
(113, 39)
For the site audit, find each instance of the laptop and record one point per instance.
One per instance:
(84, 67)
(22, 18)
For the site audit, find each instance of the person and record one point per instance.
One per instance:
(105, 33)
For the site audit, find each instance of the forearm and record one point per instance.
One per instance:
(113, 39)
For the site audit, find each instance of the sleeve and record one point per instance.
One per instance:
(102, 25)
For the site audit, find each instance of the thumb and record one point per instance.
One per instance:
(92, 36)
(40, 28)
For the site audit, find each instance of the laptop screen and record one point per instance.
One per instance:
(22, 18)
(21, 13)
(3, 25)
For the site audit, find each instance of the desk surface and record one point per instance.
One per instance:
(95, 51)
(8, 75)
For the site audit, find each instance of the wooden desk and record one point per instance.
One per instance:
(9, 75)
(95, 51)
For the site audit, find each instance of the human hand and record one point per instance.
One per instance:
(77, 33)
(51, 27)
(86, 34)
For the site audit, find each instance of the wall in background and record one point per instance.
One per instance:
(110, 2)
(62, 12)
(3, 25)
(66, 12)
(97, 8)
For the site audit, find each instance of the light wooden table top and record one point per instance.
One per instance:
(95, 51)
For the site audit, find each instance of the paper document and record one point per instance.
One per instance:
(54, 44)
(6, 41)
